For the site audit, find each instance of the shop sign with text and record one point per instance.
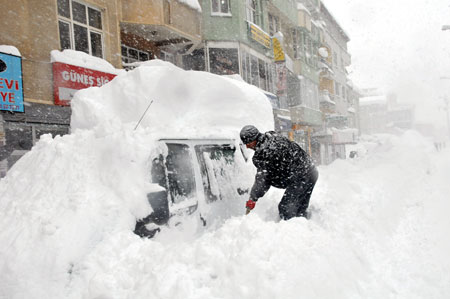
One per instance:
(11, 86)
(258, 35)
(68, 79)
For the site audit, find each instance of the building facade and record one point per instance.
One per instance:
(120, 32)
(293, 50)
(339, 99)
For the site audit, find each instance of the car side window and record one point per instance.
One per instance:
(180, 173)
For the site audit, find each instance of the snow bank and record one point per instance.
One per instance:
(9, 50)
(71, 194)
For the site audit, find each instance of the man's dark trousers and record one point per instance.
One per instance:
(295, 200)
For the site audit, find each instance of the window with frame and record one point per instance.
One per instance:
(169, 57)
(130, 55)
(251, 10)
(274, 24)
(80, 27)
(224, 61)
(258, 72)
(220, 7)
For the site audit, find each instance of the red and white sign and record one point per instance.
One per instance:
(67, 79)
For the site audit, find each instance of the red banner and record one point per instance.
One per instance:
(67, 79)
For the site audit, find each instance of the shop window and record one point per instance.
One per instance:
(220, 7)
(223, 61)
(263, 76)
(258, 72)
(254, 71)
(130, 55)
(195, 61)
(169, 57)
(80, 27)
(245, 61)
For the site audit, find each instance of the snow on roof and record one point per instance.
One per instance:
(186, 103)
(84, 60)
(9, 50)
(193, 4)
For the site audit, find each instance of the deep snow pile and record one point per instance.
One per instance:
(72, 193)
(67, 209)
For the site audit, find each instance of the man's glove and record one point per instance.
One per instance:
(250, 205)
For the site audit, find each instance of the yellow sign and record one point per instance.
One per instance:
(259, 36)
(278, 52)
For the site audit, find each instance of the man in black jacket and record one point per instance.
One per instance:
(283, 164)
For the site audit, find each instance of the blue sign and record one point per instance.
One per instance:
(11, 87)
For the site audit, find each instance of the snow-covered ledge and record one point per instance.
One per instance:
(10, 50)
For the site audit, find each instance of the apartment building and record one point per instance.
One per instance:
(338, 97)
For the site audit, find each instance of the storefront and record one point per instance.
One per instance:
(22, 130)
(23, 123)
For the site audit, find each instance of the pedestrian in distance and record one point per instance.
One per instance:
(280, 163)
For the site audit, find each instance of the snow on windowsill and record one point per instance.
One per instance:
(219, 14)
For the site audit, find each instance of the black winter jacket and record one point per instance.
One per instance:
(278, 160)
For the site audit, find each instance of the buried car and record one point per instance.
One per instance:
(194, 175)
